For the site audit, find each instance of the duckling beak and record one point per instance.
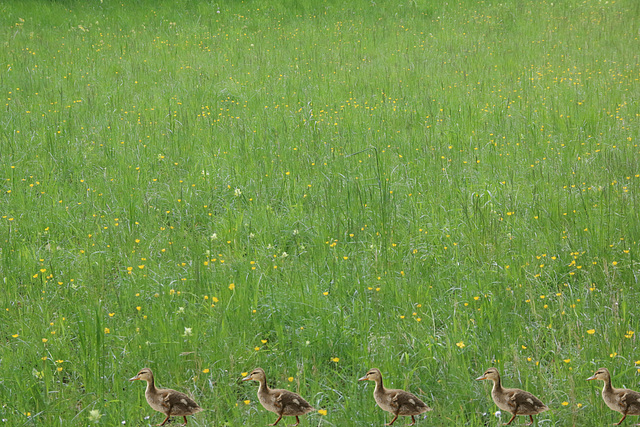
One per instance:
(137, 377)
(363, 378)
(247, 378)
(592, 377)
(481, 378)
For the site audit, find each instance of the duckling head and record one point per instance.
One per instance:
(145, 374)
(256, 375)
(601, 374)
(490, 374)
(373, 375)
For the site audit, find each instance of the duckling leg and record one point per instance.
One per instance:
(511, 420)
(164, 422)
(620, 422)
(277, 421)
(393, 420)
(531, 422)
(297, 422)
(185, 420)
(413, 420)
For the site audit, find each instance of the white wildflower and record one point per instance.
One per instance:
(94, 415)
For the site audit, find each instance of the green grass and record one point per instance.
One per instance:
(428, 188)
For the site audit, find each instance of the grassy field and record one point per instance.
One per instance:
(424, 187)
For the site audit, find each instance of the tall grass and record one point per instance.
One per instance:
(428, 188)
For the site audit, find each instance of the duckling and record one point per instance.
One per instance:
(167, 401)
(625, 401)
(513, 400)
(282, 402)
(398, 402)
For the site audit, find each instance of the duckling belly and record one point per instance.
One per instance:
(157, 405)
(269, 405)
(504, 405)
(386, 405)
(613, 404)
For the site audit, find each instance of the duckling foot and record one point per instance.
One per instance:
(620, 422)
(510, 421)
(393, 420)
(277, 421)
(164, 422)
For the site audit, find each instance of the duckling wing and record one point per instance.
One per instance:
(179, 403)
(291, 403)
(631, 401)
(525, 403)
(406, 403)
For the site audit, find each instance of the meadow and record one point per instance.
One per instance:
(317, 188)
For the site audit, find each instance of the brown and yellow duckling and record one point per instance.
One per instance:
(513, 400)
(623, 400)
(397, 402)
(279, 401)
(169, 402)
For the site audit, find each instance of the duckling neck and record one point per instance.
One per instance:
(607, 388)
(151, 386)
(497, 385)
(379, 387)
(263, 388)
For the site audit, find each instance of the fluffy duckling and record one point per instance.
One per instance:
(167, 401)
(625, 401)
(398, 402)
(513, 400)
(279, 401)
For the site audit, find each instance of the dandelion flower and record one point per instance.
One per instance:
(591, 331)
(461, 344)
(335, 359)
(322, 411)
